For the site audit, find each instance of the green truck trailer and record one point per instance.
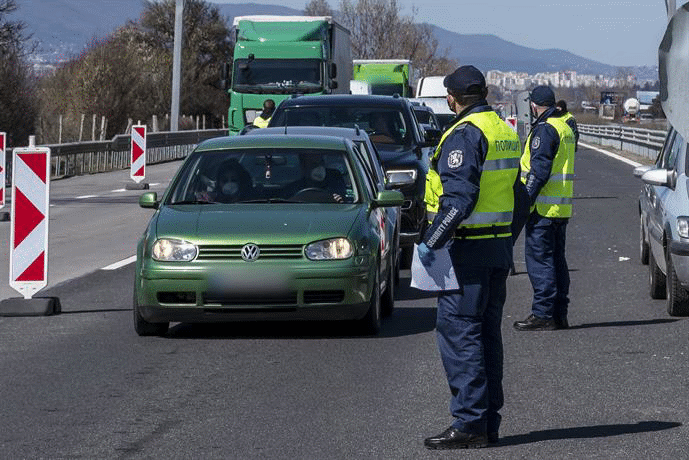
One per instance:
(385, 76)
(276, 56)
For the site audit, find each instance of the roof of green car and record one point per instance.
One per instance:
(273, 141)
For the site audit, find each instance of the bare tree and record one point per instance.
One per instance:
(17, 101)
(380, 32)
(318, 8)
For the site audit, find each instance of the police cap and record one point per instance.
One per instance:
(467, 79)
(543, 96)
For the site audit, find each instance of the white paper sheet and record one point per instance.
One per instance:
(439, 276)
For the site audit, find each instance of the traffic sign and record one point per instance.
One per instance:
(138, 150)
(29, 215)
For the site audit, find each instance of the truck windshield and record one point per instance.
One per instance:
(277, 76)
(387, 89)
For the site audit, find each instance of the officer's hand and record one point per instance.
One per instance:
(426, 254)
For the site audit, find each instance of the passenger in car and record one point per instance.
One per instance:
(315, 175)
(233, 183)
(381, 129)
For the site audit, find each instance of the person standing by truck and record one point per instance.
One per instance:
(568, 118)
(263, 119)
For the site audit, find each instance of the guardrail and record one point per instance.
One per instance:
(643, 142)
(80, 158)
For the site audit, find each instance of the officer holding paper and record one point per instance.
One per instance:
(470, 199)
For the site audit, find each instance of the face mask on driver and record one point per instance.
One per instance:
(230, 188)
(318, 173)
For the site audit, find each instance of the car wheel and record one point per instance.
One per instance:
(143, 327)
(370, 324)
(656, 279)
(643, 243)
(388, 297)
(677, 296)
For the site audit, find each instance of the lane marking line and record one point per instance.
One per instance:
(612, 155)
(85, 196)
(120, 264)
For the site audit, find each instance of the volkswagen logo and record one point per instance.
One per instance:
(250, 252)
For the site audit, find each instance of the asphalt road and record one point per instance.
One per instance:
(83, 385)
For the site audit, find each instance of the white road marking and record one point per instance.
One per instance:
(610, 154)
(118, 190)
(84, 196)
(120, 264)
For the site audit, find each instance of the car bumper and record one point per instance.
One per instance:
(306, 294)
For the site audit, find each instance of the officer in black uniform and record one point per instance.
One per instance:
(547, 166)
(470, 199)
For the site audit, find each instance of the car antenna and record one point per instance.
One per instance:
(356, 126)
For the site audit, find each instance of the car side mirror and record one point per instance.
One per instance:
(388, 198)
(431, 136)
(400, 178)
(149, 200)
(660, 177)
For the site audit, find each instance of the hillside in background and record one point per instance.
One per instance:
(63, 28)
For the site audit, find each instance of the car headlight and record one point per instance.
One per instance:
(173, 250)
(683, 226)
(400, 177)
(335, 248)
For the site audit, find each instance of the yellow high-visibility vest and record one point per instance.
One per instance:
(492, 215)
(555, 198)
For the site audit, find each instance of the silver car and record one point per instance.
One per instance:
(664, 224)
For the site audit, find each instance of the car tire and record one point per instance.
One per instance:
(643, 243)
(677, 296)
(370, 324)
(388, 297)
(143, 327)
(656, 279)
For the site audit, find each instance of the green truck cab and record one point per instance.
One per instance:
(276, 56)
(386, 77)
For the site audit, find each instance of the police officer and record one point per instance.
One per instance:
(547, 167)
(470, 199)
(568, 118)
(263, 119)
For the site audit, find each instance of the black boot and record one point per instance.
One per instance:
(534, 323)
(452, 438)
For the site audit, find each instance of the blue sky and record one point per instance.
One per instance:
(620, 33)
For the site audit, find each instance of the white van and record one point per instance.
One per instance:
(431, 87)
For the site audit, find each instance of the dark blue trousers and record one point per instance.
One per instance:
(547, 267)
(470, 343)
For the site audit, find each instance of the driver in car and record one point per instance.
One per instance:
(316, 176)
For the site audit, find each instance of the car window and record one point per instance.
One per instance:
(373, 160)
(677, 148)
(369, 181)
(661, 160)
(266, 175)
(385, 125)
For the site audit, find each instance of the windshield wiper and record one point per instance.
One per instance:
(193, 202)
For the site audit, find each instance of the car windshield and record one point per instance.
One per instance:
(384, 125)
(277, 75)
(271, 175)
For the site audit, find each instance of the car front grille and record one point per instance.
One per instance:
(288, 298)
(323, 296)
(234, 251)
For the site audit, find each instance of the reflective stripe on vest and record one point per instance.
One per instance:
(492, 214)
(555, 198)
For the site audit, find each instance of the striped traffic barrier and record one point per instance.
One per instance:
(29, 232)
(137, 171)
(4, 215)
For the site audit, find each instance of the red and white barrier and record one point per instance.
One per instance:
(512, 122)
(3, 143)
(29, 215)
(138, 151)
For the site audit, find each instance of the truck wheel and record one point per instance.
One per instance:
(677, 296)
(143, 327)
(643, 243)
(656, 279)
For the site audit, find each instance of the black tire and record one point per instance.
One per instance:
(656, 279)
(677, 296)
(370, 324)
(643, 243)
(143, 327)
(387, 299)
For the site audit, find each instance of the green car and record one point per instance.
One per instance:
(276, 227)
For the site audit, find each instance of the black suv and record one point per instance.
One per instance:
(392, 126)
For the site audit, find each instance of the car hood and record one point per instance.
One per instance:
(257, 223)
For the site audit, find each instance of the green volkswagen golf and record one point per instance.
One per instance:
(278, 227)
